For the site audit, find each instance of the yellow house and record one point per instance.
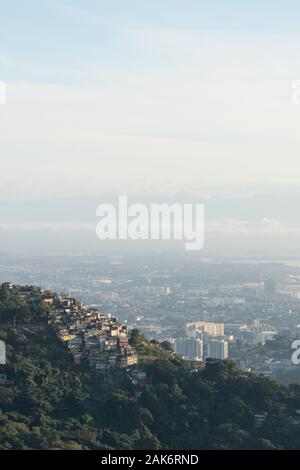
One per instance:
(68, 337)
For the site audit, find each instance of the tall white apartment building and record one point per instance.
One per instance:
(189, 349)
(211, 328)
(217, 349)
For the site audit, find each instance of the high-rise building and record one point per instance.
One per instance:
(2, 353)
(211, 328)
(256, 324)
(217, 349)
(189, 348)
(269, 288)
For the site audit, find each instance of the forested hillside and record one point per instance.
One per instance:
(48, 402)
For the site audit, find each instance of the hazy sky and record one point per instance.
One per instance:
(156, 96)
(150, 97)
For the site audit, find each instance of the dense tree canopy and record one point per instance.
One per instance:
(50, 403)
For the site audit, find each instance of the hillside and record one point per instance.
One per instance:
(48, 402)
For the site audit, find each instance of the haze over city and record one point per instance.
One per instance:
(114, 99)
(149, 229)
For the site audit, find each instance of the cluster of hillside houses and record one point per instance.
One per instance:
(89, 334)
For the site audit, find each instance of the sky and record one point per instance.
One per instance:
(147, 98)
